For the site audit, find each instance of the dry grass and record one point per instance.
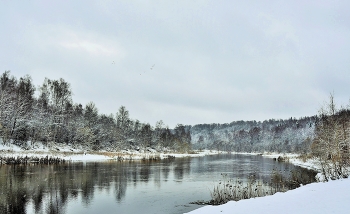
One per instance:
(113, 155)
(234, 190)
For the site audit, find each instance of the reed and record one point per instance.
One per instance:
(236, 189)
(27, 160)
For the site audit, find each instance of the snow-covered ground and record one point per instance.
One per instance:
(323, 197)
(79, 154)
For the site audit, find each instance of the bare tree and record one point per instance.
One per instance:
(55, 96)
(157, 140)
(7, 84)
(331, 143)
(124, 125)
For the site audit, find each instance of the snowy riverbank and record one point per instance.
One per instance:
(69, 153)
(320, 198)
(330, 197)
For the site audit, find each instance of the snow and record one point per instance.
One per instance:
(69, 153)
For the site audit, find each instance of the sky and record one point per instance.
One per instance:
(185, 61)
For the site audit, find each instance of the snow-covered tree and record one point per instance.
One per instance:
(332, 141)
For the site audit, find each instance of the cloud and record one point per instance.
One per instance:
(214, 61)
(58, 37)
(89, 47)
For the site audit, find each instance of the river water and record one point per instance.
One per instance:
(166, 186)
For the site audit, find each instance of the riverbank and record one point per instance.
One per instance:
(321, 197)
(330, 197)
(68, 153)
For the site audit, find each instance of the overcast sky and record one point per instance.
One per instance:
(213, 61)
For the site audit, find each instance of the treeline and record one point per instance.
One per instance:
(291, 135)
(48, 115)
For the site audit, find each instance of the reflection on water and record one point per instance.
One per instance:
(166, 186)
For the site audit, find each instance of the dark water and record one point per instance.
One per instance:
(166, 186)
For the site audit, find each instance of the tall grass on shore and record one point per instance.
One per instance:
(26, 160)
(236, 189)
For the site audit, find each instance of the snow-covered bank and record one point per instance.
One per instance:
(73, 154)
(289, 157)
(296, 160)
(330, 197)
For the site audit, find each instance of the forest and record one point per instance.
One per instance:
(291, 135)
(47, 114)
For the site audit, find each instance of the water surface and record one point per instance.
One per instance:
(166, 186)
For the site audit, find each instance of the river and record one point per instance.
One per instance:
(166, 186)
